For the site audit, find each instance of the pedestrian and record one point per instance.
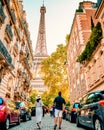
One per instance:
(39, 111)
(59, 103)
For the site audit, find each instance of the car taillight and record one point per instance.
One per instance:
(3, 108)
(74, 109)
(65, 110)
(101, 103)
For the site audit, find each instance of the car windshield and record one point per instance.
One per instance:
(1, 101)
(102, 92)
(76, 105)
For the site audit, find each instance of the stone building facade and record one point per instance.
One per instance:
(94, 69)
(15, 51)
(79, 35)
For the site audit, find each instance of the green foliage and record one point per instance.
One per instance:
(91, 45)
(33, 95)
(55, 74)
(67, 39)
(47, 98)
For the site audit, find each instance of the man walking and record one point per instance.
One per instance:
(59, 101)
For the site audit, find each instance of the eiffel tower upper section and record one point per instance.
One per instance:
(40, 53)
(41, 49)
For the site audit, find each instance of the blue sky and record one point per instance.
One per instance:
(58, 20)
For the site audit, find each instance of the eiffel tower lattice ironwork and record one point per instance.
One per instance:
(40, 52)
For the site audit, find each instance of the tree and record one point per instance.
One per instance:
(67, 39)
(33, 95)
(54, 72)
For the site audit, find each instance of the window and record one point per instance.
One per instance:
(98, 97)
(101, 52)
(94, 61)
(102, 92)
(90, 99)
(83, 101)
(76, 105)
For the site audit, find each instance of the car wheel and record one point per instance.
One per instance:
(25, 119)
(7, 124)
(66, 118)
(19, 120)
(30, 118)
(77, 122)
(70, 119)
(97, 125)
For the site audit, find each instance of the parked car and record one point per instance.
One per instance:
(33, 111)
(65, 112)
(72, 113)
(25, 112)
(91, 111)
(9, 114)
(68, 115)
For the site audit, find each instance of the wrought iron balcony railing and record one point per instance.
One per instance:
(26, 63)
(13, 15)
(24, 75)
(2, 15)
(5, 53)
(18, 32)
(9, 31)
(8, 1)
(16, 47)
(22, 55)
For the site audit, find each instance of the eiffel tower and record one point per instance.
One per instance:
(40, 53)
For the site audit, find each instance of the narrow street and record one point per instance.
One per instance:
(47, 124)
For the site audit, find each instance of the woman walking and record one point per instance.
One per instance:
(39, 111)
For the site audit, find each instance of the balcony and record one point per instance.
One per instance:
(19, 72)
(24, 75)
(13, 15)
(9, 32)
(8, 1)
(2, 15)
(26, 63)
(5, 53)
(22, 55)
(16, 47)
(2, 1)
(18, 32)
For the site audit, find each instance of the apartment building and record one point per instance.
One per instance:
(16, 53)
(94, 68)
(79, 35)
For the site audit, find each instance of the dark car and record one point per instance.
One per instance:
(65, 112)
(72, 114)
(9, 114)
(25, 113)
(91, 111)
(33, 111)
